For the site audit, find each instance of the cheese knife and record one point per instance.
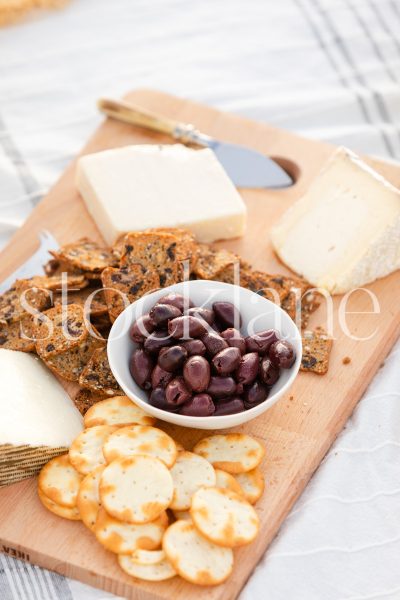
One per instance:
(34, 264)
(247, 168)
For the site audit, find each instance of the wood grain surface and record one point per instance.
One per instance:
(297, 431)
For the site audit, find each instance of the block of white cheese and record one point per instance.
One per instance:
(345, 231)
(137, 187)
(38, 420)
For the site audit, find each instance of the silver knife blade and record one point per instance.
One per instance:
(34, 264)
(246, 167)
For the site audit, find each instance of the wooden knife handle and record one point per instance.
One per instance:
(134, 115)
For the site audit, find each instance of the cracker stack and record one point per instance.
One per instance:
(162, 510)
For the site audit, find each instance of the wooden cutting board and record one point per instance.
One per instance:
(297, 431)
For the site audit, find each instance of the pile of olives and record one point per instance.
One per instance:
(195, 361)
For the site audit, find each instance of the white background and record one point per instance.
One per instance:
(328, 69)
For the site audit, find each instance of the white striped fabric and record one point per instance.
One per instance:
(328, 69)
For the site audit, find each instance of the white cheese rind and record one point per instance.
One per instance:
(345, 231)
(35, 409)
(137, 187)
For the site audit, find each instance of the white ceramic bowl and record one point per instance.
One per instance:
(257, 314)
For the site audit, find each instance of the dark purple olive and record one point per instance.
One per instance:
(196, 373)
(228, 407)
(194, 347)
(221, 387)
(156, 341)
(234, 339)
(255, 394)
(247, 370)
(186, 327)
(200, 405)
(214, 342)
(202, 313)
(282, 354)
(162, 313)
(142, 328)
(171, 359)
(160, 378)
(158, 399)
(177, 392)
(181, 302)
(227, 314)
(141, 367)
(269, 372)
(261, 341)
(226, 361)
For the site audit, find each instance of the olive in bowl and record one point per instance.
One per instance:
(212, 368)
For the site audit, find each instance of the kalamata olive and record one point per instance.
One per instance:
(200, 405)
(221, 387)
(162, 313)
(194, 347)
(141, 367)
(255, 394)
(171, 359)
(196, 372)
(186, 327)
(181, 302)
(158, 399)
(282, 354)
(214, 342)
(202, 313)
(228, 407)
(234, 339)
(177, 392)
(261, 341)
(160, 378)
(248, 368)
(228, 314)
(226, 361)
(156, 341)
(269, 372)
(141, 328)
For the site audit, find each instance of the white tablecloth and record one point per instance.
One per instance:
(328, 69)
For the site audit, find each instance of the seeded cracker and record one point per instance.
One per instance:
(153, 251)
(91, 298)
(186, 249)
(124, 286)
(71, 280)
(12, 335)
(11, 309)
(316, 350)
(97, 376)
(85, 399)
(86, 255)
(211, 261)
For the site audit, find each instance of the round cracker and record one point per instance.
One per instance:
(72, 514)
(189, 473)
(60, 481)
(118, 410)
(231, 452)
(149, 572)
(140, 439)
(252, 485)
(123, 538)
(227, 481)
(86, 451)
(136, 489)
(147, 557)
(88, 501)
(223, 517)
(195, 558)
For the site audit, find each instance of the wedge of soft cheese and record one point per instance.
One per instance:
(137, 187)
(38, 420)
(345, 231)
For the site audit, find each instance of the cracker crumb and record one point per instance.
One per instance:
(291, 398)
(346, 360)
